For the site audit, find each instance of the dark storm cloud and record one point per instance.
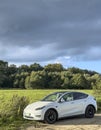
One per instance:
(43, 30)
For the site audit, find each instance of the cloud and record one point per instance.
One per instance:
(50, 30)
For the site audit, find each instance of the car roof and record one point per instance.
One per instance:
(63, 92)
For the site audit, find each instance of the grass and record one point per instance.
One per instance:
(32, 95)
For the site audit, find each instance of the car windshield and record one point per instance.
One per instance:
(53, 97)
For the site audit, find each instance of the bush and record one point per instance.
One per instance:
(17, 105)
(97, 87)
(99, 105)
(13, 109)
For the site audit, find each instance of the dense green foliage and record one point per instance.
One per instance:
(52, 76)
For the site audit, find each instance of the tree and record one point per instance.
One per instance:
(16, 83)
(35, 67)
(97, 85)
(66, 83)
(65, 77)
(54, 80)
(79, 82)
(51, 76)
(12, 69)
(23, 68)
(54, 68)
(74, 70)
(22, 83)
(3, 74)
(27, 82)
(37, 79)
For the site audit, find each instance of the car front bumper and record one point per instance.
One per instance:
(33, 115)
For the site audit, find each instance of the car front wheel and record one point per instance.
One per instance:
(50, 116)
(89, 113)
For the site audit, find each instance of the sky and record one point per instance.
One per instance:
(51, 31)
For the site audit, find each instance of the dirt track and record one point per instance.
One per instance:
(75, 123)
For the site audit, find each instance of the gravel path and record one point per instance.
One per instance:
(75, 123)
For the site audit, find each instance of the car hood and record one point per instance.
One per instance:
(38, 104)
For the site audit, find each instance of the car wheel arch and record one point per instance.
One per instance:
(53, 110)
(92, 106)
(90, 111)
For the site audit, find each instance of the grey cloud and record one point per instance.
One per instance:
(42, 30)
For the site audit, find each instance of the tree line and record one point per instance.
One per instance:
(51, 76)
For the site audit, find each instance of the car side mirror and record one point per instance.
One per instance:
(61, 100)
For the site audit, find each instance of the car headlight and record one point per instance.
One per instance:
(40, 108)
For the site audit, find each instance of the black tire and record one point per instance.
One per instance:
(89, 113)
(50, 116)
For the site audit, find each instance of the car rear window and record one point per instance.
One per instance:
(77, 96)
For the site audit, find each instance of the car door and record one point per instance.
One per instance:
(66, 105)
(72, 104)
(79, 100)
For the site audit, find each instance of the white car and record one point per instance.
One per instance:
(61, 104)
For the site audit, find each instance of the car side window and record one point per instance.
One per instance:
(67, 97)
(77, 96)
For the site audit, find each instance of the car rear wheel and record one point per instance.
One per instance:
(89, 113)
(50, 116)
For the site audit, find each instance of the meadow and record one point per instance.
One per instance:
(33, 95)
(13, 102)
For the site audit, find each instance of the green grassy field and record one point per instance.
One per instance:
(32, 96)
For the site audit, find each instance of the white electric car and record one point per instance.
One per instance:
(61, 104)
